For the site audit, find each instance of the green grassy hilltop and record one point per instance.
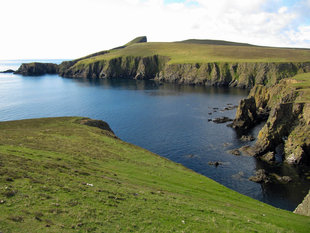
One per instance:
(203, 51)
(61, 175)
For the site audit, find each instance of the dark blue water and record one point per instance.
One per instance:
(167, 119)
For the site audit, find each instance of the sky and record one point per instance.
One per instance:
(67, 29)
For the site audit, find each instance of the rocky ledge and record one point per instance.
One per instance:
(36, 68)
(288, 121)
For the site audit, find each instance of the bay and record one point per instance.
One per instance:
(167, 119)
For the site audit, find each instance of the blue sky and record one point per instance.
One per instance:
(74, 28)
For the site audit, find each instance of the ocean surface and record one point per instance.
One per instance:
(167, 119)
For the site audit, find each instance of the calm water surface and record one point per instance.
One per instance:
(167, 119)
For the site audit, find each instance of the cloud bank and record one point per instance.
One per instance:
(74, 28)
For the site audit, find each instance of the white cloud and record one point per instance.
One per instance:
(73, 28)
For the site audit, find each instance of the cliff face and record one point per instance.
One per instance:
(36, 68)
(122, 67)
(288, 122)
(244, 75)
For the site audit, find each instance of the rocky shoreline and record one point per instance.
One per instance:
(288, 122)
(221, 74)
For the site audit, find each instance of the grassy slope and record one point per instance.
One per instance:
(303, 87)
(213, 42)
(45, 165)
(203, 53)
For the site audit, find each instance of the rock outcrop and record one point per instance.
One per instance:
(288, 121)
(36, 68)
(246, 115)
(304, 207)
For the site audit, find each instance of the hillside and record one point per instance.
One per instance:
(204, 51)
(198, 62)
(66, 174)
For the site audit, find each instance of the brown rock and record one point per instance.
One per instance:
(248, 150)
(304, 207)
(268, 157)
(260, 177)
(235, 152)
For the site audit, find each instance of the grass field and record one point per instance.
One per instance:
(303, 86)
(57, 175)
(204, 51)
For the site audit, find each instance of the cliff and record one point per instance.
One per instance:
(36, 68)
(243, 75)
(122, 67)
(288, 112)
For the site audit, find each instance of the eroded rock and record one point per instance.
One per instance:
(304, 207)
(268, 157)
(260, 177)
(246, 114)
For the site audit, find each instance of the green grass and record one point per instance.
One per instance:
(47, 166)
(204, 53)
(302, 85)
(213, 42)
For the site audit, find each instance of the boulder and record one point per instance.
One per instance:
(260, 176)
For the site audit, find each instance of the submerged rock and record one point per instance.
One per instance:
(285, 179)
(221, 120)
(248, 150)
(235, 152)
(230, 107)
(215, 163)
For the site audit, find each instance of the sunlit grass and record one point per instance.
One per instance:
(57, 175)
(302, 85)
(202, 53)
